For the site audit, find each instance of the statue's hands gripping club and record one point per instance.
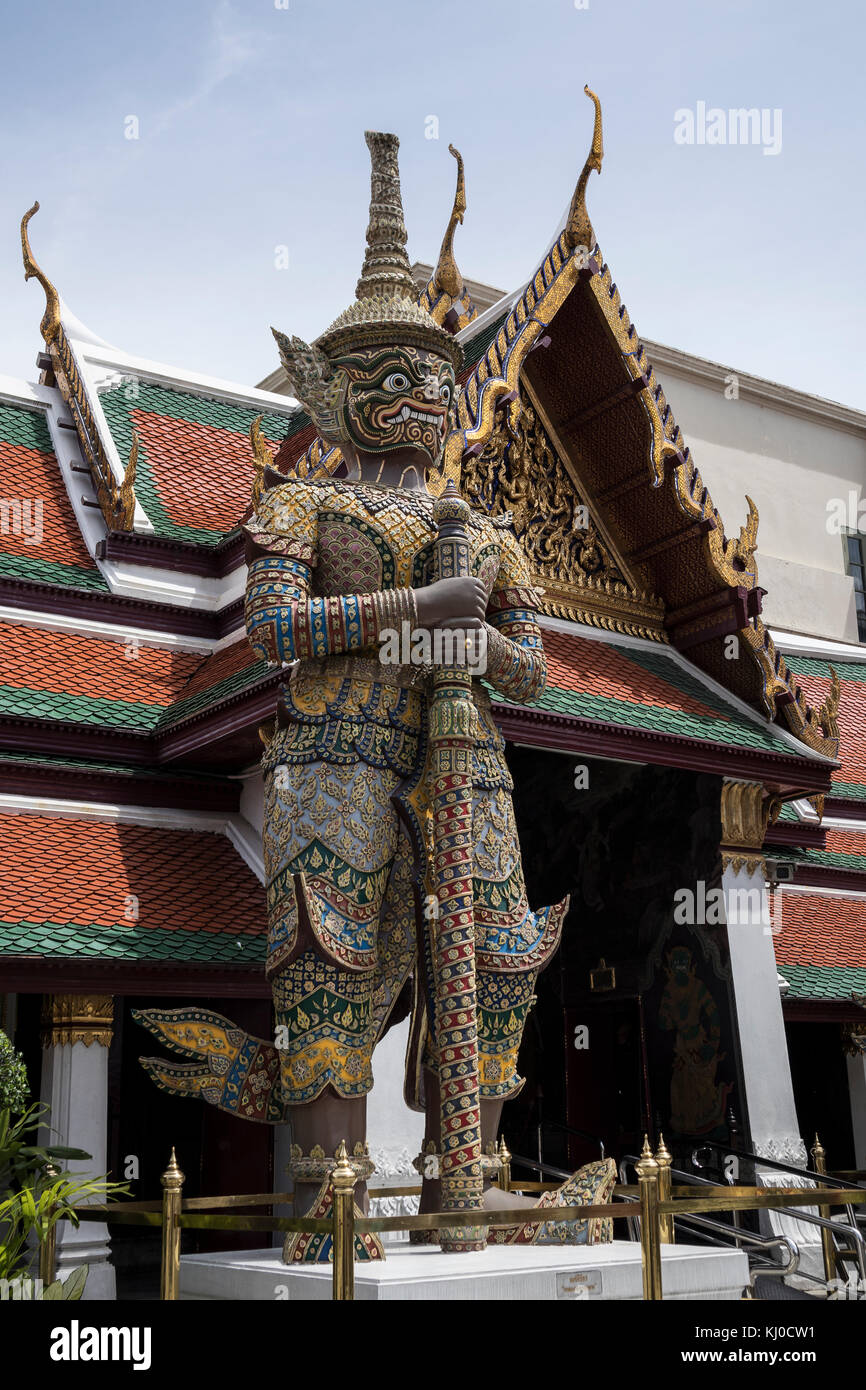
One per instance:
(458, 604)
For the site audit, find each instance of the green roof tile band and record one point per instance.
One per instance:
(824, 981)
(195, 410)
(129, 770)
(811, 666)
(55, 939)
(475, 348)
(78, 709)
(831, 858)
(26, 427)
(732, 732)
(854, 791)
(27, 567)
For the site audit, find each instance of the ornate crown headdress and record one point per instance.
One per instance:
(386, 309)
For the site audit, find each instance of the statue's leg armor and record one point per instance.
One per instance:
(512, 945)
(330, 844)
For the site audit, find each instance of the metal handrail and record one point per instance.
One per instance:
(570, 1129)
(735, 1233)
(544, 1169)
(763, 1244)
(834, 1226)
(773, 1163)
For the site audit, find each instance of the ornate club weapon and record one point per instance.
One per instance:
(452, 738)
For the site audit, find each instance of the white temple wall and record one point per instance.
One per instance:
(791, 454)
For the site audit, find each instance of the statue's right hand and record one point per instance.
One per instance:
(461, 597)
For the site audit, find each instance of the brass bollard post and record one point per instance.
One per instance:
(664, 1159)
(819, 1157)
(505, 1166)
(343, 1251)
(650, 1245)
(172, 1198)
(48, 1247)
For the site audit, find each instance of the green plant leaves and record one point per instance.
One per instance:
(73, 1287)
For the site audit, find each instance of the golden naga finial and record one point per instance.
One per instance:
(262, 459)
(578, 228)
(446, 276)
(747, 541)
(829, 711)
(50, 325)
(126, 492)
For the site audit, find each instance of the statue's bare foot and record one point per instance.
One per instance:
(497, 1200)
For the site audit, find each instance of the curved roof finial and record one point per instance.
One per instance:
(50, 325)
(446, 276)
(578, 228)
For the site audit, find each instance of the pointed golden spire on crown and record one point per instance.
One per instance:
(578, 228)
(446, 276)
(50, 325)
(385, 271)
(386, 311)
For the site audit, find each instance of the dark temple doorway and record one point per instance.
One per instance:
(634, 1027)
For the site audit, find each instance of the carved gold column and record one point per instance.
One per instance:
(72, 1018)
(747, 811)
(664, 1159)
(819, 1158)
(650, 1235)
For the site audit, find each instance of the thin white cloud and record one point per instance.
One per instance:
(230, 48)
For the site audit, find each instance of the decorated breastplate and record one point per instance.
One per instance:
(372, 538)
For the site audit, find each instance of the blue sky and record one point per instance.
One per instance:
(251, 120)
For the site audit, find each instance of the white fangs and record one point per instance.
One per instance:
(427, 419)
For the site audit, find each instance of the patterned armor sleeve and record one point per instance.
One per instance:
(284, 622)
(515, 655)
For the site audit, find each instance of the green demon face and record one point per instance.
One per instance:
(395, 398)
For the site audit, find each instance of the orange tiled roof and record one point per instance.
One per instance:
(53, 552)
(594, 667)
(69, 676)
(644, 687)
(195, 464)
(83, 887)
(845, 841)
(821, 929)
(71, 663)
(821, 947)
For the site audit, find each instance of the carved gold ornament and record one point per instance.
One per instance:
(746, 811)
(521, 473)
(74, 1018)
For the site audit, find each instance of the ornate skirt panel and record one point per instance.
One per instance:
(343, 934)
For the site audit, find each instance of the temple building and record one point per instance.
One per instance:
(693, 775)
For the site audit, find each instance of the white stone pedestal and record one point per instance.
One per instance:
(424, 1273)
